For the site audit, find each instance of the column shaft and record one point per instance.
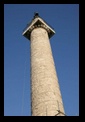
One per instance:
(45, 92)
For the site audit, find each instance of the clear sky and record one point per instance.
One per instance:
(64, 18)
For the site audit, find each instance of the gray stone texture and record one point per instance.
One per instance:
(45, 92)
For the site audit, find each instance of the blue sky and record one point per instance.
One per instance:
(64, 18)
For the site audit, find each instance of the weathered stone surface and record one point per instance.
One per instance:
(45, 91)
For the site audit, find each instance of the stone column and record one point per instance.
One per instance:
(46, 98)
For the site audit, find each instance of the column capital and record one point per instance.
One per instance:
(36, 23)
